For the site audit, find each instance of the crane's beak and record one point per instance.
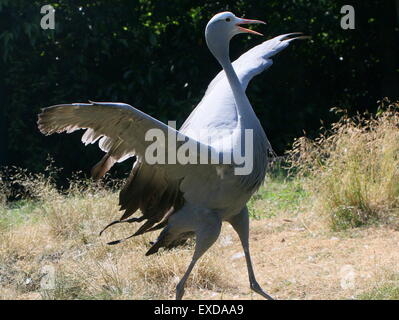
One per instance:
(249, 21)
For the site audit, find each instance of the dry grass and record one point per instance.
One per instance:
(59, 238)
(353, 169)
(59, 233)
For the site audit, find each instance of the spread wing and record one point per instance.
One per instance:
(121, 131)
(247, 66)
(257, 59)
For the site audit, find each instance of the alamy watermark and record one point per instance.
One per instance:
(217, 147)
(348, 20)
(48, 279)
(348, 277)
(48, 20)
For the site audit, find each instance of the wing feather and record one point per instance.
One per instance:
(119, 129)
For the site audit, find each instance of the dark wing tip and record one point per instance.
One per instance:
(295, 36)
(41, 120)
(112, 243)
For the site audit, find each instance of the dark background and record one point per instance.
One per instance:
(152, 55)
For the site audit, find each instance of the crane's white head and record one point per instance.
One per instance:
(221, 28)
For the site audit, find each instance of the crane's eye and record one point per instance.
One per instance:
(228, 19)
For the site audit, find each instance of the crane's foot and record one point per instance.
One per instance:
(257, 288)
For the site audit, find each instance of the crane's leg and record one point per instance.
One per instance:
(240, 223)
(206, 235)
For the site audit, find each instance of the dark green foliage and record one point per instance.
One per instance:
(152, 54)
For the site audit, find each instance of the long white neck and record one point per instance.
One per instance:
(244, 109)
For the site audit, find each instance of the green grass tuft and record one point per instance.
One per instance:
(389, 290)
(17, 213)
(277, 195)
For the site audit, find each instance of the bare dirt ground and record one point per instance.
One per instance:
(292, 263)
